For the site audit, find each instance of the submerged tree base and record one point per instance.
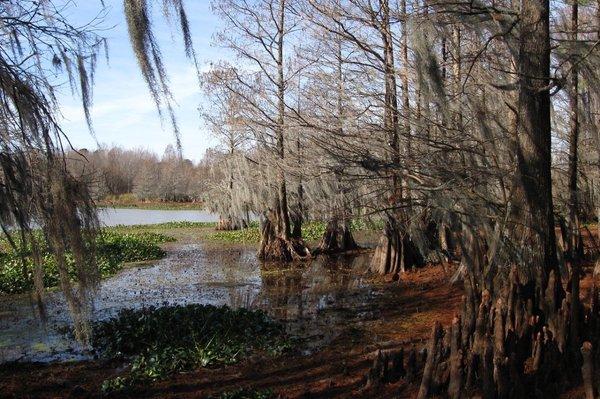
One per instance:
(337, 238)
(281, 250)
(395, 252)
(273, 247)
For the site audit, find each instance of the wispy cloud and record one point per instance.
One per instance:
(124, 113)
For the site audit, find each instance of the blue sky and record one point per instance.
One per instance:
(123, 112)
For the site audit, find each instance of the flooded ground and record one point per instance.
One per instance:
(314, 297)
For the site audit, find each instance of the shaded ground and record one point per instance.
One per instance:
(399, 314)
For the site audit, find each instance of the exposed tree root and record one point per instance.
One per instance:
(395, 251)
(274, 247)
(229, 224)
(511, 344)
(337, 238)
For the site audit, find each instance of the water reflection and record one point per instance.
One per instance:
(315, 297)
(318, 300)
(305, 289)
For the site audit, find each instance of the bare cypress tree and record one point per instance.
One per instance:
(258, 33)
(326, 112)
(367, 27)
(573, 245)
(534, 138)
(510, 317)
(224, 116)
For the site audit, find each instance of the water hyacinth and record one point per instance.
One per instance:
(113, 249)
(163, 341)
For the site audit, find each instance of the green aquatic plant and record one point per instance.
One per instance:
(246, 393)
(162, 341)
(166, 225)
(249, 235)
(311, 231)
(112, 251)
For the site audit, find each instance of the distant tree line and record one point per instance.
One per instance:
(114, 171)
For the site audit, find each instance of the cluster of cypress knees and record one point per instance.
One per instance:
(519, 342)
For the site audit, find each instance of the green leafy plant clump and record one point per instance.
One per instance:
(167, 340)
(246, 393)
(131, 247)
(113, 250)
(313, 231)
(163, 341)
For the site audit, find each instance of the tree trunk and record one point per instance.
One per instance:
(277, 243)
(298, 213)
(529, 306)
(283, 210)
(336, 239)
(573, 247)
(273, 247)
(395, 249)
(534, 196)
(229, 223)
(405, 93)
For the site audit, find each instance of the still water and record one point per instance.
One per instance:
(125, 216)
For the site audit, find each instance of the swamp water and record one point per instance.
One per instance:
(317, 298)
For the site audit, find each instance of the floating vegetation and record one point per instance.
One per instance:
(242, 236)
(311, 231)
(163, 341)
(112, 250)
(246, 393)
(167, 225)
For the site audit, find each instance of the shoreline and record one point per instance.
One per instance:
(154, 205)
